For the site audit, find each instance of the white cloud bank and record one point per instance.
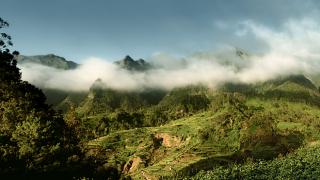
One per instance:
(293, 50)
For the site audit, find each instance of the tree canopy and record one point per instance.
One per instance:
(33, 137)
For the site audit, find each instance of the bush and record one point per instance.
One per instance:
(303, 164)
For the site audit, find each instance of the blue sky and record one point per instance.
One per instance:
(111, 29)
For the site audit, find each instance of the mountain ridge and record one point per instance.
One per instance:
(133, 65)
(50, 60)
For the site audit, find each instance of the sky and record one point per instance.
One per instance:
(111, 29)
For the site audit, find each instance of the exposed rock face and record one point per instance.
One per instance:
(169, 141)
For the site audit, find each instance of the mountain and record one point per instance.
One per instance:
(50, 60)
(234, 128)
(104, 100)
(59, 98)
(107, 98)
(158, 134)
(297, 88)
(133, 65)
(195, 128)
(58, 62)
(62, 99)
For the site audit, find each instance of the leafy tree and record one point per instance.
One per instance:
(73, 122)
(33, 137)
(5, 39)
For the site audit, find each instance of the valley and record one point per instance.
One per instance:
(155, 134)
(157, 90)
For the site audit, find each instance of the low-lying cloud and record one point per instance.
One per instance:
(295, 49)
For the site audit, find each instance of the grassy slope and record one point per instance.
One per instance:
(293, 116)
(177, 152)
(284, 115)
(183, 150)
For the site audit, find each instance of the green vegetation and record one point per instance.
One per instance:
(195, 128)
(236, 130)
(239, 131)
(35, 141)
(302, 164)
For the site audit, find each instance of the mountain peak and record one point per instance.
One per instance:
(133, 65)
(241, 53)
(128, 58)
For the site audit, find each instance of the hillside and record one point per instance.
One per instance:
(154, 134)
(160, 90)
(50, 60)
(198, 128)
(238, 129)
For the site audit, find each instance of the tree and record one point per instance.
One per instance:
(8, 69)
(5, 39)
(32, 134)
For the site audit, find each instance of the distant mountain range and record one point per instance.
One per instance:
(59, 62)
(59, 98)
(62, 99)
(50, 60)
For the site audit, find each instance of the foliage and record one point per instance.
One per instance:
(303, 164)
(5, 39)
(33, 137)
(162, 133)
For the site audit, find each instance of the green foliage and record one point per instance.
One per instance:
(102, 100)
(233, 128)
(155, 117)
(294, 88)
(5, 39)
(121, 120)
(33, 137)
(169, 133)
(303, 164)
(26, 135)
(126, 110)
(186, 99)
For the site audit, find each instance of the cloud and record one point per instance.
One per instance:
(294, 49)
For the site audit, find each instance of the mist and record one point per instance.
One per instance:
(292, 49)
